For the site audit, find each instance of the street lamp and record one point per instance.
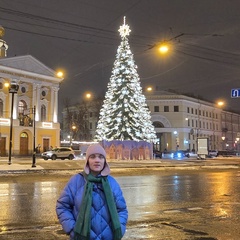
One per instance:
(88, 95)
(237, 140)
(13, 88)
(223, 138)
(163, 48)
(149, 89)
(34, 138)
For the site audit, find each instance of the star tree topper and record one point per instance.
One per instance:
(124, 29)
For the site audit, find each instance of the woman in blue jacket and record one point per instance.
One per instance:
(92, 206)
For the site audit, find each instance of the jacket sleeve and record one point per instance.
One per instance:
(66, 208)
(120, 203)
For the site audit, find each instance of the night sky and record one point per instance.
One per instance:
(81, 37)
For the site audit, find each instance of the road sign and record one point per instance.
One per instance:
(235, 93)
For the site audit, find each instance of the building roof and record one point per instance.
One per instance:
(28, 67)
(27, 63)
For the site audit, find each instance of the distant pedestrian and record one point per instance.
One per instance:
(92, 205)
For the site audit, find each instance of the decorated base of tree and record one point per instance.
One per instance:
(128, 150)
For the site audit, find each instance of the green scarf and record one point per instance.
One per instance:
(83, 223)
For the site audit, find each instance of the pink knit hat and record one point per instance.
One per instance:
(93, 149)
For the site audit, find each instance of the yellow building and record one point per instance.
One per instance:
(33, 86)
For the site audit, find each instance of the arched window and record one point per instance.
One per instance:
(1, 108)
(24, 135)
(43, 113)
(158, 125)
(21, 107)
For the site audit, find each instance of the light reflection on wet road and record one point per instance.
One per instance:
(180, 205)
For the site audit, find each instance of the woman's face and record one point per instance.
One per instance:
(96, 163)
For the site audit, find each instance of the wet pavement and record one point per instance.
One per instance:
(140, 230)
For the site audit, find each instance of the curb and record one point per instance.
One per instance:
(121, 169)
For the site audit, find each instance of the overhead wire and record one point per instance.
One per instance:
(90, 31)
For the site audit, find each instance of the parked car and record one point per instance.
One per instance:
(157, 154)
(179, 154)
(60, 152)
(190, 154)
(212, 153)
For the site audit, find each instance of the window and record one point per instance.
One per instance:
(188, 110)
(21, 107)
(158, 125)
(176, 108)
(166, 108)
(23, 135)
(43, 113)
(192, 110)
(156, 108)
(44, 93)
(23, 89)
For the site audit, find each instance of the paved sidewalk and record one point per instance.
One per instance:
(22, 165)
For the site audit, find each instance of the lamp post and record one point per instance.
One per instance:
(73, 128)
(12, 89)
(237, 140)
(223, 138)
(34, 137)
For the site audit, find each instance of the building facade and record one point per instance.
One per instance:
(179, 120)
(31, 109)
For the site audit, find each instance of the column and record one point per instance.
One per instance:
(54, 103)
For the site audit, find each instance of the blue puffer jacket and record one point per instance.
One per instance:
(69, 203)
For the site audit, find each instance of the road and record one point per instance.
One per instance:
(163, 205)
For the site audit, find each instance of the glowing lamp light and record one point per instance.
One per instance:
(60, 74)
(88, 95)
(6, 84)
(220, 103)
(163, 48)
(149, 89)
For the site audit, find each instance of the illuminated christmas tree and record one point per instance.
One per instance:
(124, 114)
